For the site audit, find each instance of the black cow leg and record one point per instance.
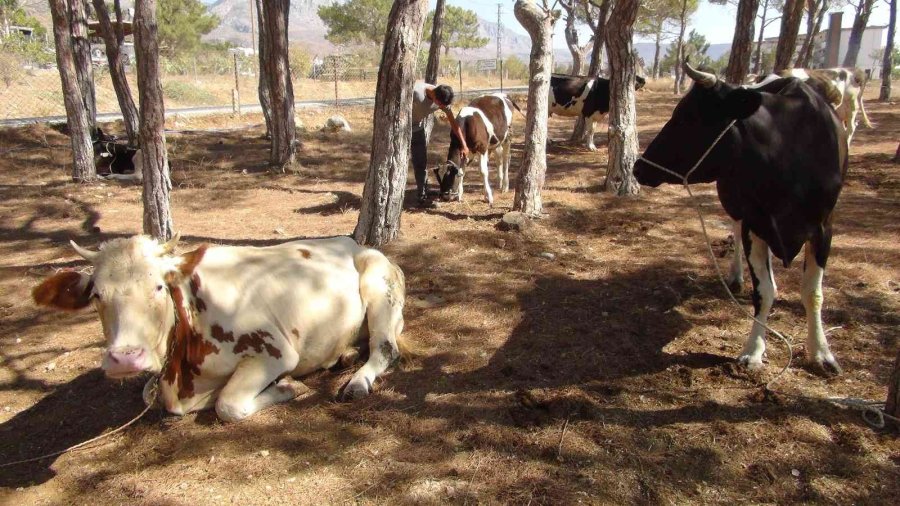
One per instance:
(764, 292)
(817, 351)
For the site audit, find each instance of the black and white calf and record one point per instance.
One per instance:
(588, 97)
(114, 160)
(781, 194)
(486, 124)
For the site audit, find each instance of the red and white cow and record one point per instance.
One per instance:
(226, 326)
(487, 125)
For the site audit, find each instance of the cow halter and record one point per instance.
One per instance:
(684, 178)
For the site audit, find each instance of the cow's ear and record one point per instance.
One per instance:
(190, 260)
(67, 290)
(741, 103)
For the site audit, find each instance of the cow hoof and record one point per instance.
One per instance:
(355, 389)
(750, 362)
(826, 365)
(290, 388)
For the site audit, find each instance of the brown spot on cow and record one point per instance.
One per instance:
(189, 349)
(195, 290)
(257, 341)
(296, 333)
(219, 334)
(191, 259)
(305, 253)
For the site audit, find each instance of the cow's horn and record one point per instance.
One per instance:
(704, 79)
(169, 246)
(84, 252)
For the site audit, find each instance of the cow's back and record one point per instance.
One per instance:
(303, 294)
(498, 111)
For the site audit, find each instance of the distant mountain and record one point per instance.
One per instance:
(307, 28)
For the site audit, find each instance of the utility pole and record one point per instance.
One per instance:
(499, 30)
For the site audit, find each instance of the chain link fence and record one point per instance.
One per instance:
(217, 79)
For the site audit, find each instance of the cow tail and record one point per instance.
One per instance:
(515, 106)
(407, 350)
(862, 108)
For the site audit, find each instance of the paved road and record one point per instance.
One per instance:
(203, 111)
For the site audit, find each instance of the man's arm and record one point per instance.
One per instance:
(455, 130)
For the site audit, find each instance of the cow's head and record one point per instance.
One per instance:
(130, 288)
(698, 119)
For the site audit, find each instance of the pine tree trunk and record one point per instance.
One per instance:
(679, 48)
(434, 59)
(757, 60)
(81, 46)
(856, 33)
(742, 43)
(157, 185)
(538, 22)
(83, 168)
(656, 50)
(623, 141)
(382, 200)
(434, 50)
(816, 10)
(571, 34)
(892, 406)
(584, 130)
(281, 91)
(117, 70)
(887, 65)
(265, 100)
(787, 40)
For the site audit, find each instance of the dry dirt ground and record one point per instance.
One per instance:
(602, 376)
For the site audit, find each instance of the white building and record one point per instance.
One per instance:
(871, 49)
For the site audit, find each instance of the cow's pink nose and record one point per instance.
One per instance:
(124, 362)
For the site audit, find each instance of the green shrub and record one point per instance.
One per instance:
(187, 92)
(300, 61)
(515, 68)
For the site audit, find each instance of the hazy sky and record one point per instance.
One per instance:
(714, 21)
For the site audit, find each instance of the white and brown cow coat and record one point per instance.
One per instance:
(227, 327)
(486, 124)
(842, 88)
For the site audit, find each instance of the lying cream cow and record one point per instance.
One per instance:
(226, 326)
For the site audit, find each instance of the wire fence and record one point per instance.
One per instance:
(225, 79)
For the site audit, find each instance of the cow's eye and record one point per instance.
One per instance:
(159, 288)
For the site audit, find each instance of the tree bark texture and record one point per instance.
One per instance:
(815, 14)
(157, 185)
(434, 58)
(117, 70)
(623, 140)
(281, 90)
(265, 100)
(571, 34)
(757, 59)
(856, 33)
(434, 51)
(892, 406)
(742, 43)
(584, 131)
(538, 22)
(887, 65)
(81, 46)
(658, 44)
(787, 39)
(382, 200)
(83, 168)
(679, 48)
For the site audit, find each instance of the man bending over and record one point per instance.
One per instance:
(428, 98)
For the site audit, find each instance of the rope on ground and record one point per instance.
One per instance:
(872, 411)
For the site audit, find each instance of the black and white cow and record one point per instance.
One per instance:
(486, 124)
(115, 160)
(588, 97)
(778, 170)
